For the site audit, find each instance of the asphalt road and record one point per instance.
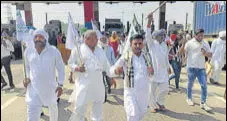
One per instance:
(14, 108)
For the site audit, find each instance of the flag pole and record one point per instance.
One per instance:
(78, 50)
(23, 58)
(21, 30)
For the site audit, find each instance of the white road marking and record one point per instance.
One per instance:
(220, 98)
(223, 74)
(6, 104)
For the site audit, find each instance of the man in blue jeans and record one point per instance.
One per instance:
(196, 51)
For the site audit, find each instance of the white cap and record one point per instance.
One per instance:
(41, 32)
(222, 34)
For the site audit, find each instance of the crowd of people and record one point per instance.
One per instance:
(146, 74)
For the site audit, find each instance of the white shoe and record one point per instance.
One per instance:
(205, 107)
(190, 102)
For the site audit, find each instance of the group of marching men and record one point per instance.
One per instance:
(143, 71)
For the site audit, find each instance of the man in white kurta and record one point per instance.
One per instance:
(41, 62)
(89, 86)
(135, 84)
(6, 50)
(111, 58)
(159, 54)
(218, 60)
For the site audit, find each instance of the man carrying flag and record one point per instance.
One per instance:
(137, 68)
(89, 88)
(103, 43)
(72, 39)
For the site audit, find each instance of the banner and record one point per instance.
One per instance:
(21, 29)
(217, 2)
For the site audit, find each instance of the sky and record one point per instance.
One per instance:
(175, 11)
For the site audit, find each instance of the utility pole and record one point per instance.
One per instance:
(162, 12)
(142, 20)
(186, 24)
(152, 26)
(28, 13)
(46, 19)
(96, 12)
(122, 16)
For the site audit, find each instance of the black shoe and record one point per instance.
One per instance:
(212, 81)
(216, 83)
(42, 114)
(109, 91)
(11, 87)
(58, 100)
(3, 85)
(177, 90)
(105, 99)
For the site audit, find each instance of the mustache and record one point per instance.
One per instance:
(138, 49)
(40, 43)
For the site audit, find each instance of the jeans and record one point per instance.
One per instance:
(5, 62)
(177, 70)
(202, 78)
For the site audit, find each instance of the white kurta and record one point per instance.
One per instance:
(135, 99)
(5, 51)
(89, 84)
(218, 50)
(41, 69)
(218, 60)
(121, 47)
(159, 54)
(159, 86)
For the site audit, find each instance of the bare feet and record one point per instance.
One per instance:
(154, 110)
(71, 81)
(113, 83)
(161, 107)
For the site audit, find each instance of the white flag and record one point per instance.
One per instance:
(132, 32)
(21, 29)
(28, 38)
(72, 35)
(99, 34)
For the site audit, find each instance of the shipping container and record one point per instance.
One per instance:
(210, 16)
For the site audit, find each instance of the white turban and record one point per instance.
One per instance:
(222, 34)
(158, 33)
(41, 32)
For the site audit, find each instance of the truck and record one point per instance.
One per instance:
(210, 16)
(174, 28)
(114, 25)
